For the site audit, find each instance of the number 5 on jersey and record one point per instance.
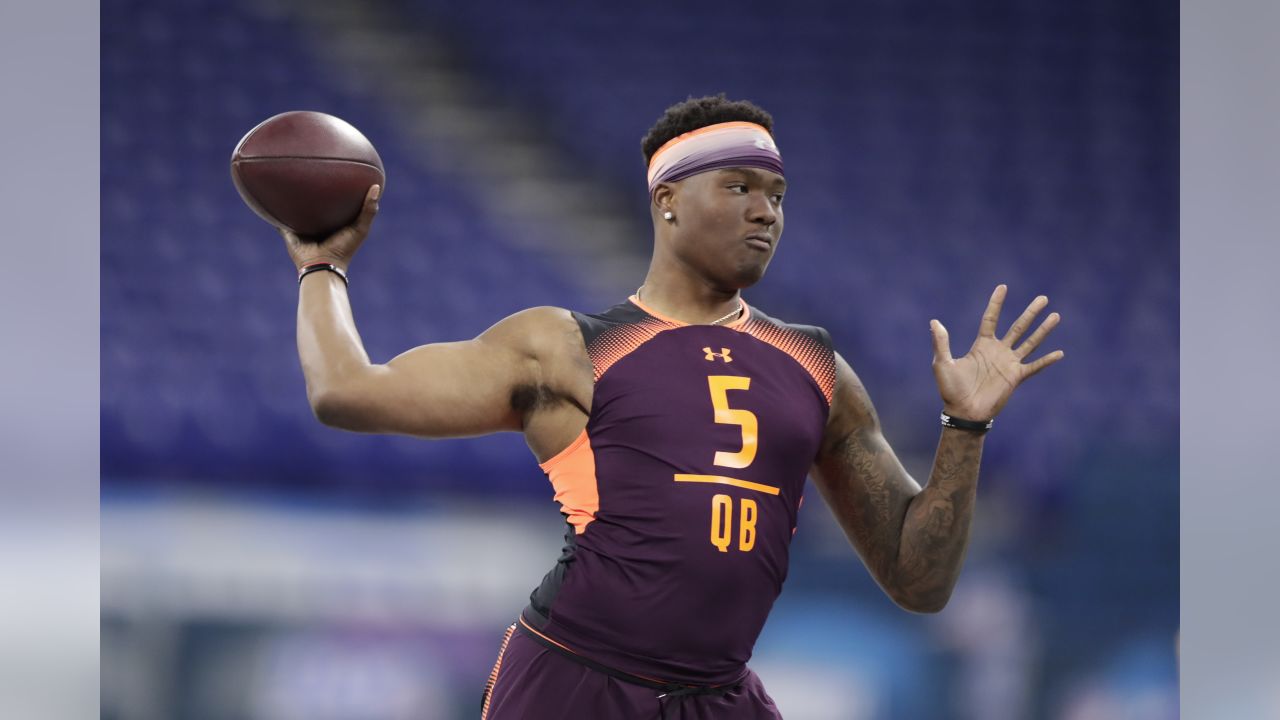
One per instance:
(720, 387)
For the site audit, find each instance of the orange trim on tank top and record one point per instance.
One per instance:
(570, 650)
(746, 313)
(562, 646)
(572, 473)
(555, 459)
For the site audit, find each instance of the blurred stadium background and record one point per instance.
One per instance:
(259, 566)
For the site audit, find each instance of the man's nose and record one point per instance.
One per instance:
(762, 211)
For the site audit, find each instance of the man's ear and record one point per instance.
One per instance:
(664, 198)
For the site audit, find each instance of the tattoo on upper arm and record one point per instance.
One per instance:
(868, 488)
(869, 504)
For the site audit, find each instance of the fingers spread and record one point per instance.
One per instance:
(992, 314)
(941, 342)
(1024, 320)
(1038, 336)
(1044, 362)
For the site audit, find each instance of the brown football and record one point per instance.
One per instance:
(306, 171)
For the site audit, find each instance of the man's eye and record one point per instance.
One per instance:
(741, 187)
(777, 199)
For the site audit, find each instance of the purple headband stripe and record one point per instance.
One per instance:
(724, 145)
(729, 157)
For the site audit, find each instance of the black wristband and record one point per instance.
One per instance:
(317, 267)
(979, 426)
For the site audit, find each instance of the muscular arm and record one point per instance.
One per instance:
(449, 389)
(912, 540)
(529, 372)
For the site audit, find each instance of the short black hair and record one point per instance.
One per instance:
(694, 113)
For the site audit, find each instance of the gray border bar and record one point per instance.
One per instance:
(1230, 569)
(49, 53)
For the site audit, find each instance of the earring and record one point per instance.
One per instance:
(668, 216)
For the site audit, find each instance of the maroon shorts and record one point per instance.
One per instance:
(533, 682)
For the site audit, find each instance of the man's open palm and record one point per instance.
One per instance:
(977, 386)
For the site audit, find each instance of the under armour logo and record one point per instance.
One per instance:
(723, 354)
(766, 145)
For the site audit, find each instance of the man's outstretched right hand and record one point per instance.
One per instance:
(340, 247)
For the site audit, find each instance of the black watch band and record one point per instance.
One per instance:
(322, 266)
(978, 426)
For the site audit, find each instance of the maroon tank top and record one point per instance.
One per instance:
(681, 494)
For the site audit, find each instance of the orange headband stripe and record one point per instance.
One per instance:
(722, 145)
(703, 131)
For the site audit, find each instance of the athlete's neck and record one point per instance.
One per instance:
(694, 303)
